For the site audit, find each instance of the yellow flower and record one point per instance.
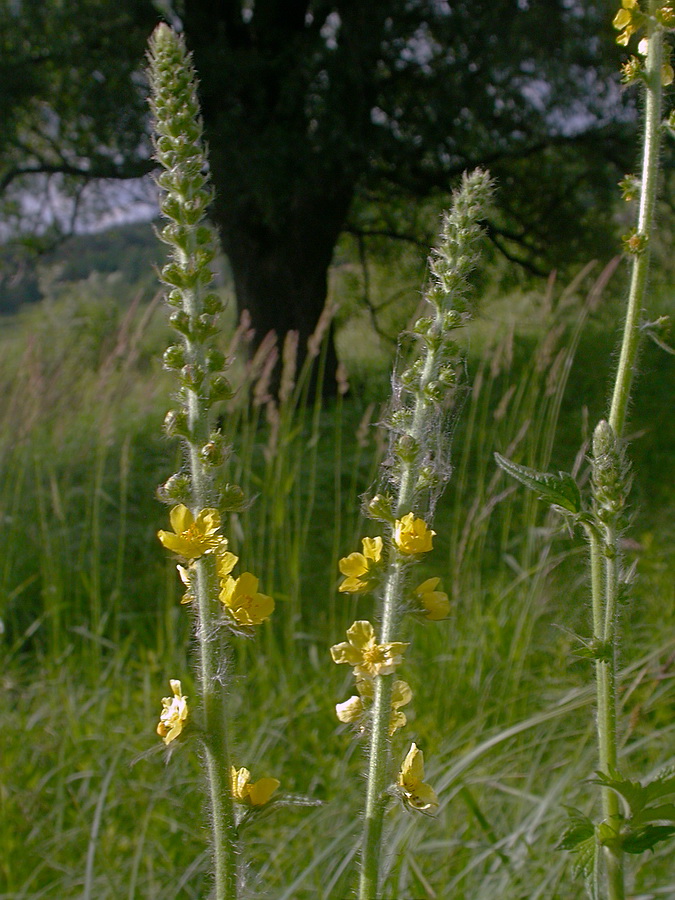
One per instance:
(242, 600)
(411, 535)
(435, 602)
(412, 788)
(360, 568)
(257, 794)
(191, 537)
(365, 654)
(173, 715)
(667, 74)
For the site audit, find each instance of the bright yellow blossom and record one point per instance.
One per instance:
(412, 788)
(411, 535)
(257, 794)
(191, 537)
(354, 710)
(173, 715)
(241, 599)
(365, 654)
(436, 603)
(360, 567)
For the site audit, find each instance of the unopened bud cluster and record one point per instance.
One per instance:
(423, 387)
(611, 475)
(199, 366)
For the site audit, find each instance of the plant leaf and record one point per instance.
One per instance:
(558, 490)
(646, 838)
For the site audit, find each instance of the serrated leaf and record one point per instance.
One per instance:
(664, 813)
(579, 829)
(632, 791)
(646, 838)
(584, 858)
(636, 795)
(558, 490)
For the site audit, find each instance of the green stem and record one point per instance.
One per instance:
(607, 744)
(212, 653)
(215, 728)
(379, 750)
(650, 166)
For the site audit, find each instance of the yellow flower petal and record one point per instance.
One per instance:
(225, 562)
(351, 710)
(372, 548)
(621, 19)
(422, 797)
(436, 603)
(412, 770)
(345, 653)
(361, 634)
(251, 794)
(401, 694)
(260, 792)
(353, 565)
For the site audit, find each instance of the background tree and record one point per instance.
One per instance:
(313, 108)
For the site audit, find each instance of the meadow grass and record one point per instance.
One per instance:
(93, 628)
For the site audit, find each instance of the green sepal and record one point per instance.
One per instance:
(559, 490)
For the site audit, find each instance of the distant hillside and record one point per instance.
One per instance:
(131, 251)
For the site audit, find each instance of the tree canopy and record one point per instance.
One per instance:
(316, 109)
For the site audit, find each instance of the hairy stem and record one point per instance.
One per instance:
(638, 285)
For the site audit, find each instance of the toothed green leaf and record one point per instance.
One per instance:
(558, 490)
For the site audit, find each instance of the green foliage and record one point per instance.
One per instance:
(559, 490)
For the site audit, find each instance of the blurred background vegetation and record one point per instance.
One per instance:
(91, 624)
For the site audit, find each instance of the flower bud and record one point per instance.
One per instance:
(219, 388)
(174, 357)
(232, 498)
(176, 423)
(180, 321)
(192, 376)
(380, 508)
(176, 489)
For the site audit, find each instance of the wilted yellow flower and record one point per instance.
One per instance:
(360, 568)
(365, 654)
(436, 603)
(191, 537)
(627, 20)
(667, 74)
(411, 535)
(184, 574)
(173, 715)
(412, 788)
(257, 794)
(225, 562)
(353, 711)
(241, 598)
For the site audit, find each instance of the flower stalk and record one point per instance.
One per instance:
(196, 521)
(611, 482)
(413, 480)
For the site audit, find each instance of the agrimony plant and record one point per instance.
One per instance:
(223, 606)
(412, 478)
(633, 817)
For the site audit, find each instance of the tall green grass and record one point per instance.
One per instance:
(93, 625)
